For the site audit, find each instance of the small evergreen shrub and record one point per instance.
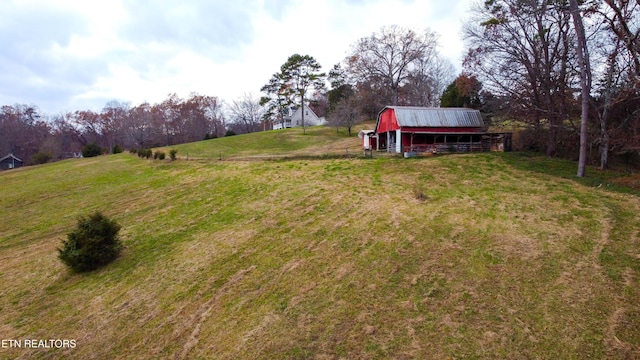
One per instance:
(172, 154)
(91, 150)
(159, 155)
(41, 157)
(229, 133)
(145, 153)
(117, 149)
(92, 244)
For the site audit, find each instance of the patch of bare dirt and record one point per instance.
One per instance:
(520, 246)
(205, 309)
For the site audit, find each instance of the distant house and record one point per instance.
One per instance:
(403, 129)
(294, 118)
(71, 155)
(10, 162)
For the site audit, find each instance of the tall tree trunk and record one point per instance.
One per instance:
(585, 83)
(395, 95)
(604, 142)
(304, 130)
(552, 137)
(604, 116)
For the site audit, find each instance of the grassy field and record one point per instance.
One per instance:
(279, 144)
(464, 256)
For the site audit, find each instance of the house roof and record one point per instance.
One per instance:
(407, 116)
(9, 157)
(294, 110)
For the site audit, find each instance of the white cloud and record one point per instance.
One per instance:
(84, 54)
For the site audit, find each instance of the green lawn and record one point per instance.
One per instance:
(461, 256)
(315, 141)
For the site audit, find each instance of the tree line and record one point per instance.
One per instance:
(558, 68)
(559, 73)
(564, 75)
(393, 66)
(24, 132)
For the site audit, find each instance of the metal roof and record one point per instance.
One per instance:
(9, 157)
(436, 117)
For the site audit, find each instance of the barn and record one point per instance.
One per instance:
(409, 130)
(10, 162)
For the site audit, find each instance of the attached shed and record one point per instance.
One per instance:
(402, 129)
(368, 139)
(10, 162)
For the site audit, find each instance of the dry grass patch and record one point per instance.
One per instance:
(326, 259)
(632, 181)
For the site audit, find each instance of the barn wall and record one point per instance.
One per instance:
(387, 121)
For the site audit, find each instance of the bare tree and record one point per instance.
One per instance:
(247, 111)
(65, 133)
(585, 82)
(216, 121)
(113, 117)
(387, 59)
(619, 85)
(427, 81)
(346, 114)
(194, 111)
(522, 51)
(22, 130)
(89, 127)
(622, 22)
(140, 125)
(170, 115)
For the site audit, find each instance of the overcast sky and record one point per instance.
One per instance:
(67, 55)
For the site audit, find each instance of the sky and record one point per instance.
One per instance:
(68, 55)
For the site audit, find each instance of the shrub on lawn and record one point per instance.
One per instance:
(93, 243)
(172, 154)
(41, 157)
(145, 153)
(91, 150)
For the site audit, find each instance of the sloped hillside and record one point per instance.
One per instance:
(286, 143)
(463, 256)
